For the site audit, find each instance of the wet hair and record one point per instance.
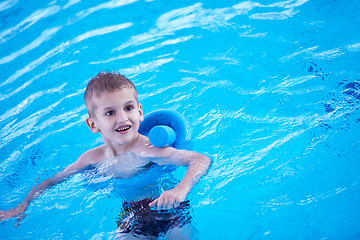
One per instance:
(105, 82)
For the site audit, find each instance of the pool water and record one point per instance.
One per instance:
(270, 90)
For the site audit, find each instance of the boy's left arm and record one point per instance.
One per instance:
(197, 166)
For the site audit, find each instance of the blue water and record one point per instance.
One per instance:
(270, 90)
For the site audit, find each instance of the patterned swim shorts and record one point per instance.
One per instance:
(137, 218)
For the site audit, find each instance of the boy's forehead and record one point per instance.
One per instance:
(117, 95)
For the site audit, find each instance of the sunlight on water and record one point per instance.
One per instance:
(270, 90)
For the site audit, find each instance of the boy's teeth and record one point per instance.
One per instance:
(123, 128)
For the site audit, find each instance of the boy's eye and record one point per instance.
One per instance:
(109, 113)
(129, 108)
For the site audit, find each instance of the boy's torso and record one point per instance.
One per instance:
(125, 165)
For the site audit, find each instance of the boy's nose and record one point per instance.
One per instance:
(121, 116)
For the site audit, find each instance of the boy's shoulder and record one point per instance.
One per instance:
(165, 155)
(92, 156)
(146, 148)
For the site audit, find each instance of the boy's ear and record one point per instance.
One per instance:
(141, 112)
(91, 124)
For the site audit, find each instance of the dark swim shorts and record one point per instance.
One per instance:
(137, 218)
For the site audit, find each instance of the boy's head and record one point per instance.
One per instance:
(105, 82)
(114, 110)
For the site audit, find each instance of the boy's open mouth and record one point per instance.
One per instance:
(123, 129)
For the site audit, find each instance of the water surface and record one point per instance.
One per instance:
(270, 90)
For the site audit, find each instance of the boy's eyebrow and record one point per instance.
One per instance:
(126, 103)
(130, 102)
(107, 108)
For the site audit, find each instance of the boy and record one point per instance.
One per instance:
(114, 111)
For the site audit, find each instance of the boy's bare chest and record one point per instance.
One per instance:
(123, 166)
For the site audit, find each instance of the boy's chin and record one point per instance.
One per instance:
(127, 138)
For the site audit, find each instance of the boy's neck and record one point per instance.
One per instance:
(115, 150)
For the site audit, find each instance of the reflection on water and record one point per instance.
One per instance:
(270, 88)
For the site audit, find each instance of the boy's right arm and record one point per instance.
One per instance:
(74, 168)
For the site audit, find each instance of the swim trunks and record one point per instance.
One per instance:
(137, 218)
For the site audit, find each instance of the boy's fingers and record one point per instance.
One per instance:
(163, 202)
(19, 218)
(153, 203)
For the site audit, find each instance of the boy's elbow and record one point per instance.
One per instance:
(203, 160)
(208, 161)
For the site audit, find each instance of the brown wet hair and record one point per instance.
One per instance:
(105, 82)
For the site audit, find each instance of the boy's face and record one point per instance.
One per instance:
(117, 116)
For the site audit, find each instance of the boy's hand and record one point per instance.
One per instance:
(17, 211)
(169, 199)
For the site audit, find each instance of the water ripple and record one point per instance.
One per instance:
(56, 66)
(319, 196)
(106, 5)
(324, 55)
(7, 4)
(243, 73)
(26, 102)
(64, 45)
(188, 17)
(70, 3)
(45, 36)
(152, 48)
(65, 117)
(27, 22)
(13, 130)
(275, 15)
(144, 67)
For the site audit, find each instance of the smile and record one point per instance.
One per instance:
(123, 129)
